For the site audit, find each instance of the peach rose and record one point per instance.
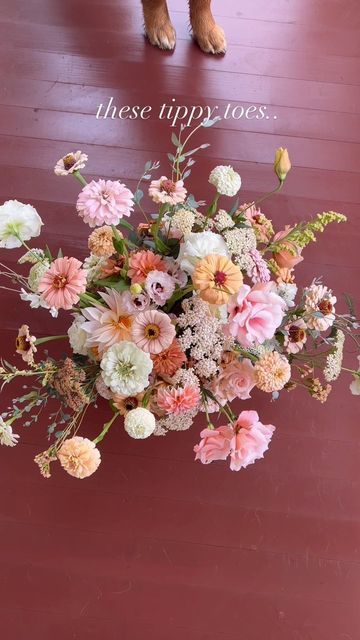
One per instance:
(214, 444)
(235, 380)
(287, 259)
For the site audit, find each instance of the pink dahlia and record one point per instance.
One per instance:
(175, 401)
(255, 314)
(62, 284)
(141, 263)
(108, 325)
(250, 441)
(104, 202)
(165, 190)
(152, 331)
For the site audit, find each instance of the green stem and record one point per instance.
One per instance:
(80, 178)
(178, 295)
(256, 202)
(48, 338)
(106, 428)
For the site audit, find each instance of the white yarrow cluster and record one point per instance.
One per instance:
(183, 220)
(334, 360)
(225, 180)
(18, 223)
(240, 243)
(126, 368)
(223, 221)
(139, 423)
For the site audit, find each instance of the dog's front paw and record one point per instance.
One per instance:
(210, 38)
(161, 34)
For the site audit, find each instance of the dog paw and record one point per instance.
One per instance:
(210, 40)
(161, 34)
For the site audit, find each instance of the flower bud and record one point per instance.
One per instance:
(282, 164)
(135, 289)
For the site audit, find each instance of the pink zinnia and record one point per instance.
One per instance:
(175, 401)
(142, 263)
(165, 190)
(62, 283)
(152, 331)
(104, 202)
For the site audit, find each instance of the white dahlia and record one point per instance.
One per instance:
(225, 180)
(198, 246)
(18, 223)
(126, 368)
(139, 423)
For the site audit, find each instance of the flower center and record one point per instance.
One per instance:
(59, 282)
(296, 334)
(219, 277)
(69, 161)
(152, 331)
(325, 307)
(125, 369)
(131, 403)
(22, 344)
(168, 186)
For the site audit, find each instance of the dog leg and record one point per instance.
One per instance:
(158, 25)
(209, 36)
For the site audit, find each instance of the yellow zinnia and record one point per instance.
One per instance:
(217, 279)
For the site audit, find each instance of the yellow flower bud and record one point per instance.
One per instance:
(135, 289)
(282, 164)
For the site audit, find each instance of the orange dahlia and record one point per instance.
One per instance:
(217, 279)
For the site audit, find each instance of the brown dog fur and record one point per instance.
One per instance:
(161, 33)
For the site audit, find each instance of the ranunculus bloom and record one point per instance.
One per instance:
(255, 314)
(216, 278)
(250, 441)
(104, 202)
(63, 283)
(180, 400)
(287, 259)
(165, 190)
(141, 263)
(214, 444)
(235, 380)
(79, 457)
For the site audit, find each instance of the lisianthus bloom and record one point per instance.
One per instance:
(79, 457)
(235, 380)
(173, 269)
(126, 368)
(100, 242)
(108, 325)
(282, 164)
(18, 223)
(104, 202)
(255, 314)
(214, 444)
(63, 283)
(25, 344)
(142, 263)
(153, 331)
(296, 336)
(73, 161)
(165, 190)
(159, 286)
(319, 300)
(250, 441)
(139, 423)
(7, 437)
(272, 372)
(287, 259)
(198, 246)
(174, 400)
(225, 180)
(216, 278)
(170, 360)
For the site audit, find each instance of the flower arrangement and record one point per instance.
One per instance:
(183, 313)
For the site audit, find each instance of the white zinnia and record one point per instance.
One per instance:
(125, 368)
(7, 437)
(77, 336)
(198, 246)
(140, 423)
(18, 223)
(225, 180)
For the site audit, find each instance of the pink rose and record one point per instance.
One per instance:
(255, 314)
(214, 444)
(286, 259)
(250, 440)
(235, 380)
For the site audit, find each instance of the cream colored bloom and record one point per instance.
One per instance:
(282, 164)
(225, 180)
(126, 368)
(70, 163)
(36, 274)
(100, 241)
(272, 372)
(139, 423)
(18, 223)
(77, 335)
(198, 246)
(7, 437)
(79, 457)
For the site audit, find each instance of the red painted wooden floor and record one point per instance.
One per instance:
(154, 545)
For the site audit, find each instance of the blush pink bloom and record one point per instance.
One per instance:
(104, 202)
(107, 325)
(250, 440)
(215, 444)
(62, 284)
(159, 286)
(153, 331)
(165, 190)
(286, 259)
(235, 380)
(141, 263)
(255, 314)
(175, 401)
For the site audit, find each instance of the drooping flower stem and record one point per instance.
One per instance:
(106, 428)
(257, 202)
